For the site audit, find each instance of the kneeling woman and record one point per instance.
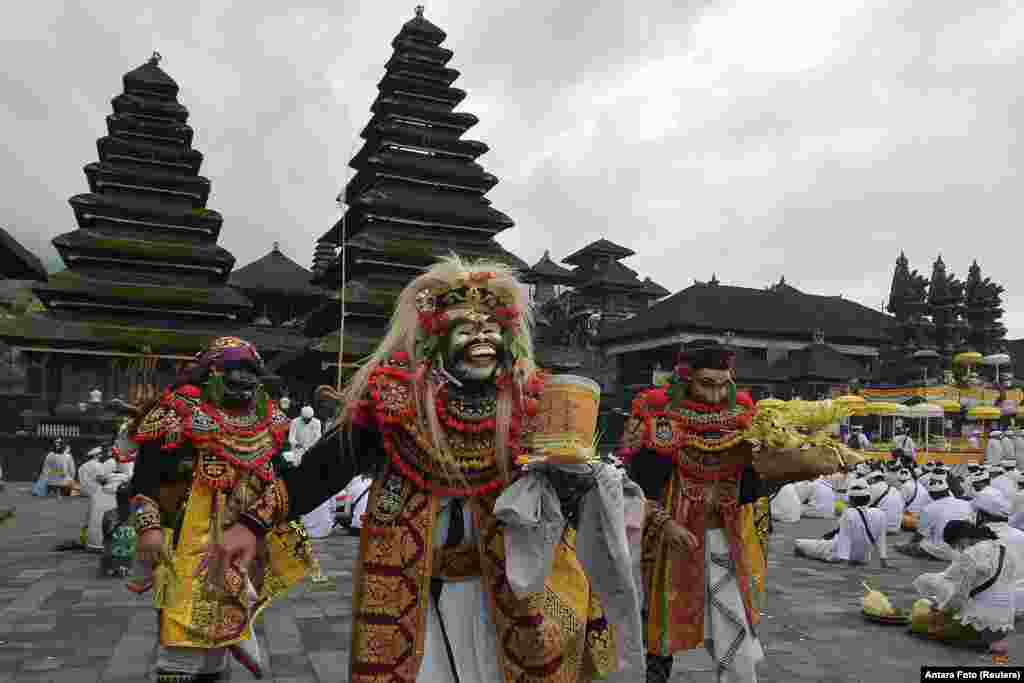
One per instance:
(972, 601)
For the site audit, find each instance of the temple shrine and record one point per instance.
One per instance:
(146, 284)
(417, 194)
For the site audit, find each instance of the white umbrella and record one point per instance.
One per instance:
(925, 411)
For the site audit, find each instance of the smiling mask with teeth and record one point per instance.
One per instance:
(475, 349)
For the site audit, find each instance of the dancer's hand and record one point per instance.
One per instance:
(238, 547)
(679, 537)
(149, 547)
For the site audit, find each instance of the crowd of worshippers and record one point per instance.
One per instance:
(970, 515)
(103, 480)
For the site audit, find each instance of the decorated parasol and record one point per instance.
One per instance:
(983, 413)
(967, 358)
(996, 360)
(947, 405)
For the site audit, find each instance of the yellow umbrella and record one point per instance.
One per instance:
(769, 403)
(984, 413)
(851, 400)
(881, 408)
(948, 405)
(967, 358)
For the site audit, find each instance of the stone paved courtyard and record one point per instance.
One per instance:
(61, 622)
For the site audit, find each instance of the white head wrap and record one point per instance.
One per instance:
(95, 452)
(991, 501)
(307, 412)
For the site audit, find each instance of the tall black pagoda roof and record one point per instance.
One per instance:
(146, 244)
(418, 191)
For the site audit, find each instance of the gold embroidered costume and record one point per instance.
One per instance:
(442, 413)
(200, 468)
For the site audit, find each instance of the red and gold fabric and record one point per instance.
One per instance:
(554, 636)
(705, 445)
(558, 636)
(230, 475)
(206, 615)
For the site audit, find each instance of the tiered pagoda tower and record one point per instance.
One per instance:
(146, 245)
(945, 303)
(146, 285)
(418, 193)
(983, 304)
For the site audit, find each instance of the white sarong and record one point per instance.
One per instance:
(727, 635)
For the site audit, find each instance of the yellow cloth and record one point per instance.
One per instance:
(199, 616)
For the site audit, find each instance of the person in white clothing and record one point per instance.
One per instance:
(861, 530)
(993, 510)
(994, 449)
(973, 600)
(822, 504)
(785, 505)
(904, 442)
(59, 470)
(888, 499)
(915, 499)
(1007, 481)
(93, 476)
(859, 471)
(108, 479)
(305, 431)
(943, 509)
(355, 505)
(1017, 440)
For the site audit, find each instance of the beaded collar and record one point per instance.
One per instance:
(693, 426)
(469, 426)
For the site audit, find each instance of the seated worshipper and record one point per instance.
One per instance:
(1017, 441)
(972, 470)
(861, 529)
(973, 600)
(995, 449)
(886, 498)
(993, 510)
(915, 497)
(929, 542)
(355, 506)
(859, 471)
(59, 467)
(955, 483)
(785, 505)
(1007, 481)
(119, 536)
(822, 503)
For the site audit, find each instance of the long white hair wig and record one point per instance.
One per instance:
(451, 273)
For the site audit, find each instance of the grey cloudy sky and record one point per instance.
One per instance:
(751, 139)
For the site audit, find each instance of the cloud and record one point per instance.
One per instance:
(808, 139)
